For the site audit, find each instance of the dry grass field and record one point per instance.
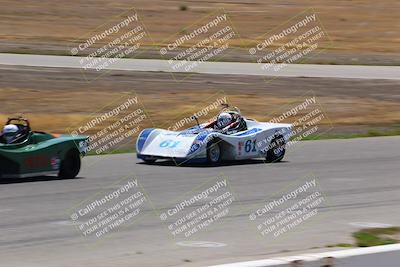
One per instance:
(361, 31)
(57, 99)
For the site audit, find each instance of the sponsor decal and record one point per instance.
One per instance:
(240, 145)
(37, 161)
(55, 163)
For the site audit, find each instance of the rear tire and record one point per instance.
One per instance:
(214, 153)
(276, 150)
(71, 165)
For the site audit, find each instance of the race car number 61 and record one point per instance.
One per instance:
(169, 143)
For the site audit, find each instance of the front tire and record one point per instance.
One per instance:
(276, 150)
(214, 153)
(71, 165)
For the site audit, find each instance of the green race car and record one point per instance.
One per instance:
(33, 153)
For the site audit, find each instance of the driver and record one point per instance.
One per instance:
(230, 122)
(10, 133)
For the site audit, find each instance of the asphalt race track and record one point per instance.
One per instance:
(232, 68)
(358, 177)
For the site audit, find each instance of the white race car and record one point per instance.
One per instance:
(202, 143)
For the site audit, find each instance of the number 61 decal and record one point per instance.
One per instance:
(250, 145)
(169, 143)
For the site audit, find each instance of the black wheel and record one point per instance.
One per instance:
(276, 150)
(71, 165)
(214, 153)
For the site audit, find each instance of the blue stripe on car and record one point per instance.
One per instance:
(142, 138)
(198, 141)
(201, 136)
(254, 130)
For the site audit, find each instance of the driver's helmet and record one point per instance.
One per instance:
(10, 132)
(224, 119)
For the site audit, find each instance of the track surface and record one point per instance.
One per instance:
(233, 68)
(359, 178)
